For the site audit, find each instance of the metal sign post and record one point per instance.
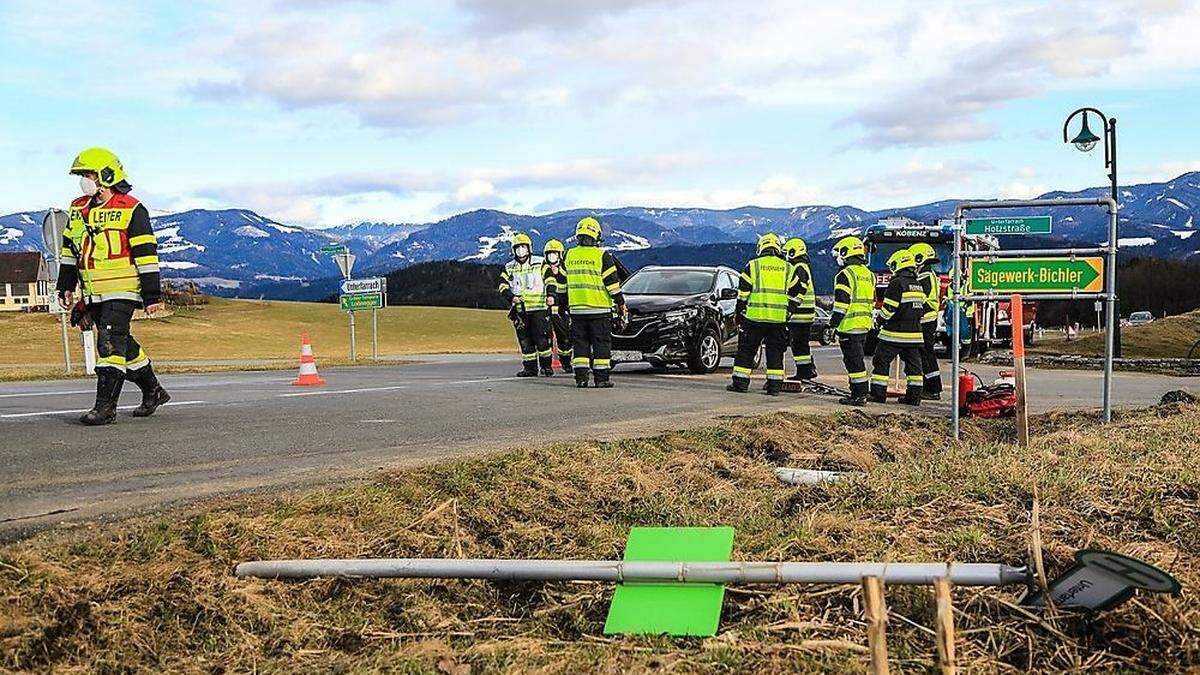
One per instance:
(53, 225)
(345, 262)
(1046, 274)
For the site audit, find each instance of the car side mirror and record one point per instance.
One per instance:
(729, 293)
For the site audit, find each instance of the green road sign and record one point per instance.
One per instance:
(355, 301)
(1036, 275)
(1009, 225)
(671, 608)
(334, 249)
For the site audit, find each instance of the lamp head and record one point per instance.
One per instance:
(1085, 140)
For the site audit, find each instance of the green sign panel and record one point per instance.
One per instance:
(1036, 275)
(355, 301)
(673, 609)
(334, 249)
(1009, 225)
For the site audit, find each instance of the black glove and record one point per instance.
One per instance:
(81, 316)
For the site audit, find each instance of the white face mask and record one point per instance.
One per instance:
(88, 186)
(552, 257)
(521, 251)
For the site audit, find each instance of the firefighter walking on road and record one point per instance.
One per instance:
(900, 330)
(522, 286)
(554, 276)
(593, 290)
(926, 258)
(852, 317)
(110, 250)
(800, 323)
(765, 297)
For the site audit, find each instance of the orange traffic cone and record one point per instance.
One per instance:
(555, 362)
(308, 365)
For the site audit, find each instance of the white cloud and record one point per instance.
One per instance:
(919, 178)
(1020, 190)
(775, 191)
(1165, 171)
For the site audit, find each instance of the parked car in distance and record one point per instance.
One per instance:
(1140, 318)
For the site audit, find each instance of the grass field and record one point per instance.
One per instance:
(250, 329)
(1165, 338)
(157, 594)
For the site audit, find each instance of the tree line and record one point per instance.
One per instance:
(1157, 285)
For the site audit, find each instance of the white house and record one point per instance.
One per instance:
(24, 282)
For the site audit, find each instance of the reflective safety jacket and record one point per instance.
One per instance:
(110, 248)
(804, 303)
(524, 281)
(593, 286)
(555, 282)
(853, 299)
(903, 306)
(930, 285)
(765, 290)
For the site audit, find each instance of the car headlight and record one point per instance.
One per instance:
(678, 315)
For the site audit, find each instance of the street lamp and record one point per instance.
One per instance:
(1085, 140)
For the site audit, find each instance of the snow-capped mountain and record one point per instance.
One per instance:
(239, 252)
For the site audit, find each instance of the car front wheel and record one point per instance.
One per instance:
(706, 355)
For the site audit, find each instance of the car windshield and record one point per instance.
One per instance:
(669, 282)
(1140, 316)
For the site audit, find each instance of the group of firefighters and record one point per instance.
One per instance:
(569, 297)
(572, 298)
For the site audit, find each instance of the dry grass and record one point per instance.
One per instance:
(253, 329)
(157, 594)
(1168, 338)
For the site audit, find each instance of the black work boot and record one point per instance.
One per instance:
(602, 381)
(856, 401)
(530, 370)
(547, 366)
(912, 398)
(931, 396)
(774, 387)
(108, 391)
(153, 395)
(738, 385)
(581, 378)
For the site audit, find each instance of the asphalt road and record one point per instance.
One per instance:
(226, 432)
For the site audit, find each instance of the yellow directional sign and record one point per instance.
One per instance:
(1036, 275)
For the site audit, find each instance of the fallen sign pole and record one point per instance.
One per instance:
(897, 573)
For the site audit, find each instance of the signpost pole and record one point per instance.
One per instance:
(1017, 312)
(956, 320)
(62, 324)
(353, 346)
(1111, 331)
(374, 335)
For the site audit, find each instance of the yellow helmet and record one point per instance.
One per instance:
(522, 239)
(767, 242)
(922, 253)
(108, 168)
(901, 259)
(795, 247)
(848, 247)
(589, 226)
(552, 246)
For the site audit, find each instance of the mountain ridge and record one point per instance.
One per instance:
(239, 252)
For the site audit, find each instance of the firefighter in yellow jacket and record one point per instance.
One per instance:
(109, 250)
(853, 312)
(766, 295)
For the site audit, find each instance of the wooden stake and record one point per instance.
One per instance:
(945, 626)
(875, 610)
(1017, 314)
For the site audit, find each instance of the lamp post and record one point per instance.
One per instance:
(1084, 141)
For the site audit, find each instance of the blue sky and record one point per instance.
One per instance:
(321, 112)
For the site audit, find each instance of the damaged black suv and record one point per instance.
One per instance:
(679, 316)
